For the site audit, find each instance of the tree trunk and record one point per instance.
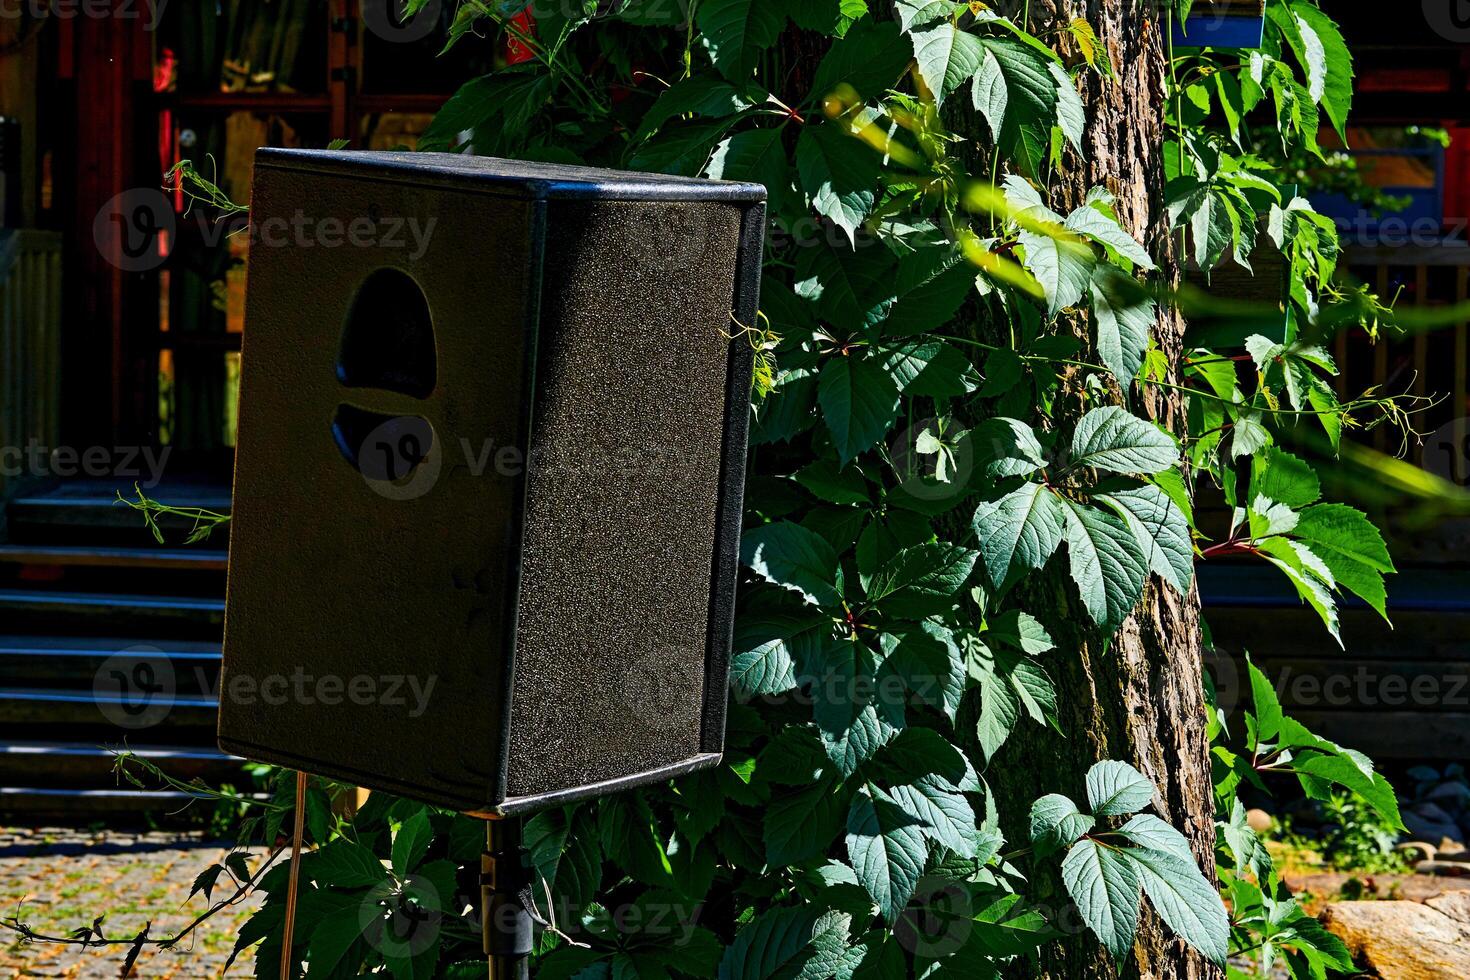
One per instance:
(1138, 696)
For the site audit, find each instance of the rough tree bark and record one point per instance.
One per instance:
(1137, 696)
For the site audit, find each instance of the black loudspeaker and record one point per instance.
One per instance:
(489, 476)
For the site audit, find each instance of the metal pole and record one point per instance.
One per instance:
(504, 920)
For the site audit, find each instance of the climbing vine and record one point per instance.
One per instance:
(919, 328)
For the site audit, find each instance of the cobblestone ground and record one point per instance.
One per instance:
(61, 879)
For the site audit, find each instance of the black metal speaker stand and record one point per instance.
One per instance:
(504, 919)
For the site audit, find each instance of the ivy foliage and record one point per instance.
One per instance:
(914, 461)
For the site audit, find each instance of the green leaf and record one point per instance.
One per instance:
(839, 174)
(852, 727)
(754, 155)
(1071, 113)
(768, 648)
(835, 485)
(1106, 888)
(205, 880)
(736, 32)
(516, 94)
(1022, 631)
(930, 368)
(1007, 448)
(918, 13)
(1268, 713)
(831, 18)
(700, 95)
(851, 288)
(1312, 589)
(794, 558)
(774, 946)
(332, 937)
(920, 752)
(1031, 100)
(1341, 530)
(410, 843)
(345, 864)
(990, 94)
(1186, 902)
(944, 814)
(1057, 823)
(1162, 532)
(683, 148)
(1099, 225)
(1019, 531)
(946, 57)
(1112, 439)
(802, 824)
(1116, 789)
(1060, 262)
(859, 403)
(1336, 90)
(1346, 771)
(922, 581)
(1105, 562)
(1282, 477)
(886, 848)
(1147, 830)
(931, 286)
(928, 663)
(565, 849)
(871, 58)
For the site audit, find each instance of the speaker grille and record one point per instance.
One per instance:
(632, 365)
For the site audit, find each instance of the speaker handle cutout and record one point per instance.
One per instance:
(388, 341)
(383, 448)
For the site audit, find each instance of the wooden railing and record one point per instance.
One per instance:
(30, 346)
(1426, 364)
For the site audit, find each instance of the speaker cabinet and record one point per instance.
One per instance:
(488, 485)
